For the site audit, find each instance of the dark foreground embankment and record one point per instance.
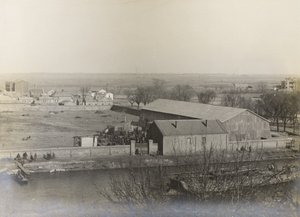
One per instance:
(279, 157)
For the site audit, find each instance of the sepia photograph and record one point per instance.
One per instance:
(161, 108)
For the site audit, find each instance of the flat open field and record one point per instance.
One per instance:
(47, 129)
(115, 83)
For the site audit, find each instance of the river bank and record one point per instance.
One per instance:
(276, 156)
(50, 191)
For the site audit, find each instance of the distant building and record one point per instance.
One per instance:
(17, 88)
(93, 93)
(10, 86)
(103, 92)
(277, 87)
(181, 137)
(47, 100)
(89, 100)
(290, 84)
(109, 95)
(241, 124)
(63, 96)
(99, 95)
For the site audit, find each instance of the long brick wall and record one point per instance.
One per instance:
(260, 144)
(122, 150)
(71, 152)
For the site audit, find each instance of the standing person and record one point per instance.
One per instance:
(25, 156)
(18, 156)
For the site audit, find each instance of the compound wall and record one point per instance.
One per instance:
(76, 152)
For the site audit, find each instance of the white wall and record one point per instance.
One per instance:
(88, 142)
(192, 144)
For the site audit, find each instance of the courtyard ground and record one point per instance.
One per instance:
(41, 129)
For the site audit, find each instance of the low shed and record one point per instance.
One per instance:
(181, 137)
(85, 141)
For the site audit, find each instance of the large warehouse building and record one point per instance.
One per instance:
(241, 124)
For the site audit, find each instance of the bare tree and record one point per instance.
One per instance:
(146, 94)
(234, 99)
(84, 91)
(294, 104)
(262, 87)
(138, 98)
(274, 106)
(159, 89)
(206, 97)
(247, 103)
(182, 92)
(231, 99)
(211, 176)
(130, 96)
(142, 188)
(290, 110)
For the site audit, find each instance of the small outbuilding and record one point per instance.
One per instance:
(109, 95)
(85, 141)
(181, 137)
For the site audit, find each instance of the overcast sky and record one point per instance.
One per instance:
(150, 36)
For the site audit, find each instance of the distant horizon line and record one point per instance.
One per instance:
(149, 73)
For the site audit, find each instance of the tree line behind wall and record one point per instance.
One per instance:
(278, 107)
(158, 89)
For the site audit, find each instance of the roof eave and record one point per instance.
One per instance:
(258, 115)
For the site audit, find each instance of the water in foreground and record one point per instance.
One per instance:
(74, 194)
(54, 194)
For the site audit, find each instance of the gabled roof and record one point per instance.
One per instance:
(189, 127)
(195, 110)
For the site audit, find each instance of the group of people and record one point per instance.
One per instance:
(244, 149)
(49, 156)
(25, 156)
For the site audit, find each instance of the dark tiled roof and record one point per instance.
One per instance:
(195, 110)
(189, 127)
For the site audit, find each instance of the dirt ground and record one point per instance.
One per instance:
(41, 129)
